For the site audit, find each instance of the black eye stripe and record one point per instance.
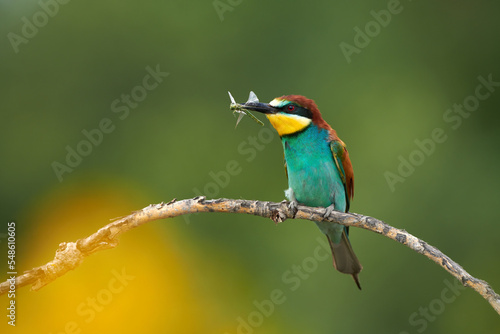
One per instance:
(293, 109)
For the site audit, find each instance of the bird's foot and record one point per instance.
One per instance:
(293, 207)
(328, 211)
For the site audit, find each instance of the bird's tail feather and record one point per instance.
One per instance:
(344, 259)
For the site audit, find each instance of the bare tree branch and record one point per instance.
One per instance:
(71, 254)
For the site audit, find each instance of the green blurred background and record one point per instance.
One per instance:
(206, 273)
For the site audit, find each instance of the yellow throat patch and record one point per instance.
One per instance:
(287, 124)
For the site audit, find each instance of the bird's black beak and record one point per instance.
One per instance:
(260, 107)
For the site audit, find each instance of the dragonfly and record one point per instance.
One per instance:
(240, 108)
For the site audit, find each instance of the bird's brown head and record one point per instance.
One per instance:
(290, 114)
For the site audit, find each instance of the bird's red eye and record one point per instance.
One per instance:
(290, 107)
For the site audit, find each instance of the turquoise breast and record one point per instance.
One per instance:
(312, 173)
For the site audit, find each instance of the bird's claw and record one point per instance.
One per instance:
(329, 209)
(293, 207)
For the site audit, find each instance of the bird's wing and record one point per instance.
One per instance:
(343, 163)
(284, 163)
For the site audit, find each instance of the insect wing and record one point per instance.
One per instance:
(231, 97)
(252, 97)
(239, 119)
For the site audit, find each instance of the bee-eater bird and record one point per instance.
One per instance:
(318, 168)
